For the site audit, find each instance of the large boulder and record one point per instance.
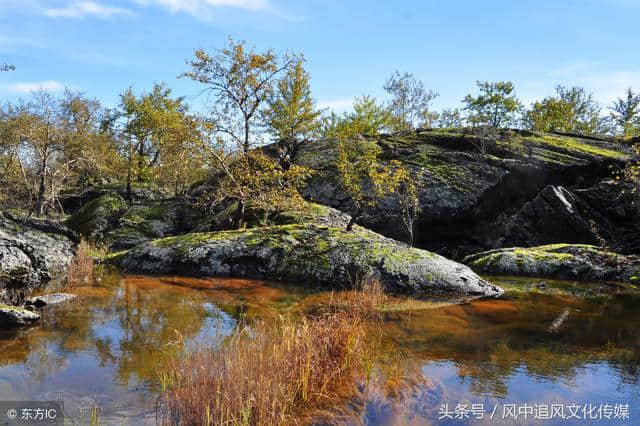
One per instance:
(563, 261)
(32, 252)
(467, 185)
(310, 254)
(553, 216)
(98, 216)
(11, 316)
(110, 219)
(607, 212)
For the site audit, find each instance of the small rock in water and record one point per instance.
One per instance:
(50, 299)
(11, 316)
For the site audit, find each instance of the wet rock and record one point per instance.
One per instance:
(49, 299)
(11, 316)
(563, 261)
(29, 256)
(307, 253)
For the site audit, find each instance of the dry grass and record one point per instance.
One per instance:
(80, 270)
(265, 375)
(366, 302)
(274, 374)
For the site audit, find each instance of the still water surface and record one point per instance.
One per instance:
(544, 347)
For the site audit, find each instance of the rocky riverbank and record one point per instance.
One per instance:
(310, 254)
(562, 261)
(32, 254)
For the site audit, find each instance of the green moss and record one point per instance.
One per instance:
(103, 208)
(575, 145)
(15, 309)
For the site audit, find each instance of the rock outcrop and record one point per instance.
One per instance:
(32, 252)
(108, 218)
(49, 299)
(563, 261)
(606, 213)
(465, 196)
(11, 316)
(307, 253)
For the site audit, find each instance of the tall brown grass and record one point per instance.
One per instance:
(274, 374)
(81, 268)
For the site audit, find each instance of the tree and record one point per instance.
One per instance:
(6, 67)
(409, 202)
(496, 105)
(626, 113)
(450, 118)
(34, 138)
(571, 110)
(550, 115)
(292, 113)
(363, 177)
(367, 119)
(410, 101)
(86, 141)
(160, 140)
(242, 81)
(253, 177)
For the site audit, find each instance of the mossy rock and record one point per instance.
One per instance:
(33, 252)
(96, 217)
(563, 261)
(12, 316)
(458, 176)
(307, 253)
(141, 223)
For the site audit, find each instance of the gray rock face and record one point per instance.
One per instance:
(553, 216)
(308, 253)
(563, 261)
(31, 254)
(607, 212)
(465, 196)
(10, 316)
(110, 219)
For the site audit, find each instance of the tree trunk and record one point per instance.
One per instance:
(246, 135)
(42, 187)
(129, 192)
(140, 162)
(411, 235)
(238, 218)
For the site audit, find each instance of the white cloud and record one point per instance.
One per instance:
(610, 86)
(606, 84)
(197, 7)
(24, 87)
(338, 105)
(80, 9)
(571, 68)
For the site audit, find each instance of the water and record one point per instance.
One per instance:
(551, 346)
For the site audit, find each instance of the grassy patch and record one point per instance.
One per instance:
(289, 372)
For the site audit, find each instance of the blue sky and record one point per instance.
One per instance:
(102, 47)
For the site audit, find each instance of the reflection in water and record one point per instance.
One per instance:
(535, 348)
(540, 347)
(105, 348)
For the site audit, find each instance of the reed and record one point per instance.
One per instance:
(273, 374)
